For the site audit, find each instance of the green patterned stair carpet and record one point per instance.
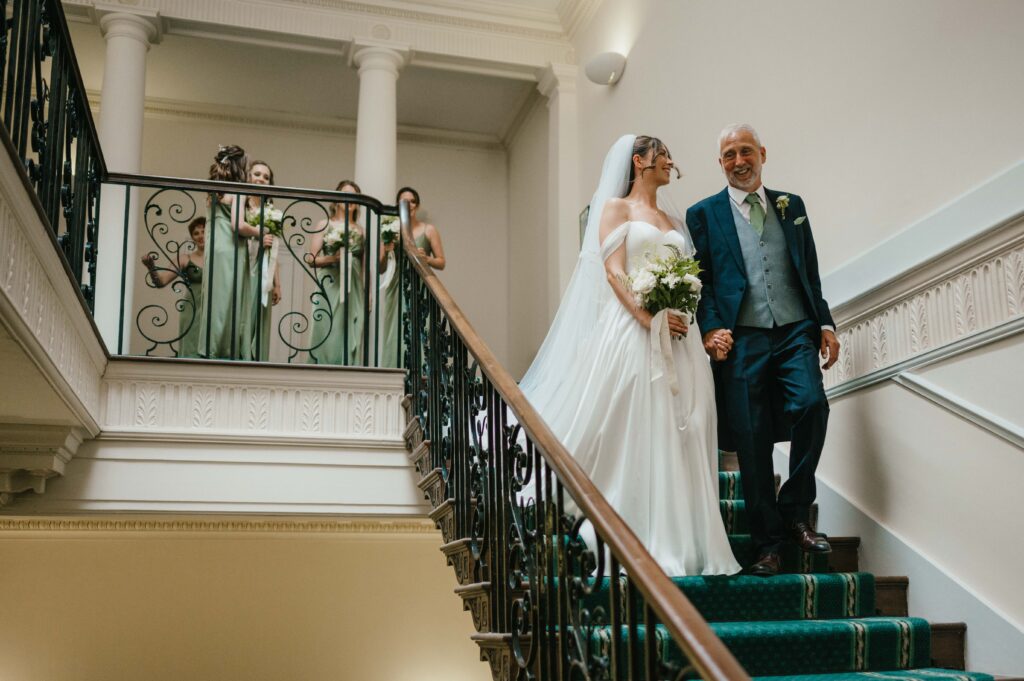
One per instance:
(744, 598)
(910, 675)
(808, 646)
(734, 515)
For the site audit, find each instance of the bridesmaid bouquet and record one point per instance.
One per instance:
(389, 230)
(666, 280)
(335, 239)
(272, 219)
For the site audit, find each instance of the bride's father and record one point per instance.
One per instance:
(765, 323)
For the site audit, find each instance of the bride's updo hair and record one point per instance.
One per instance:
(643, 145)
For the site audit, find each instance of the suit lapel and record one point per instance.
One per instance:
(788, 228)
(727, 225)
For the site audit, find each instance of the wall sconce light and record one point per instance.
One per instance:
(605, 68)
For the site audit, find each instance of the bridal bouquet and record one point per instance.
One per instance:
(666, 280)
(272, 219)
(389, 230)
(335, 238)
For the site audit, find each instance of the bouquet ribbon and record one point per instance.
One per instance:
(663, 362)
(269, 268)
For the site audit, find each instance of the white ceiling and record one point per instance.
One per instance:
(222, 72)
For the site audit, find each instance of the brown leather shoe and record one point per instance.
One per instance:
(767, 565)
(807, 539)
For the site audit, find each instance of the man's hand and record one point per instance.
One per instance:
(718, 343)
(829, 348)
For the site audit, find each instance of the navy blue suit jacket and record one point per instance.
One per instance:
(724, 277)
(723, 273)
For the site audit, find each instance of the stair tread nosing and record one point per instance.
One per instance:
(813, 646)
(926, 674)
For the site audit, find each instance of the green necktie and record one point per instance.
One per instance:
(756, 213)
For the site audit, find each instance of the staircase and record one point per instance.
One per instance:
(823, 620)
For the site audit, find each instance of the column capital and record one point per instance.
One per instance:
(555, 79)
(119, 21)
(369, 54)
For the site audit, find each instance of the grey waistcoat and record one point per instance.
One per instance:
(773, 295)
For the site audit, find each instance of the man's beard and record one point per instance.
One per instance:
(747, 182)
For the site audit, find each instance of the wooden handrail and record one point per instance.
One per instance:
(704, 650)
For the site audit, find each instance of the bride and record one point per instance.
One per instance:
(649, 444)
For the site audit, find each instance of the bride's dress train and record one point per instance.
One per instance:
(653, 454)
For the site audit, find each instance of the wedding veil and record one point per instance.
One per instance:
(569, 339)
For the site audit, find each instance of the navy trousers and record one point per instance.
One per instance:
(773, 374)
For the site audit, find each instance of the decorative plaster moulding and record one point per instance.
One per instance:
(153, 400)
(460, 35)
(40, 306)
(964, 293)
(357, 528)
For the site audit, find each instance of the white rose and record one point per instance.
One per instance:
(644, 282)
(693, 282)
(672, 280)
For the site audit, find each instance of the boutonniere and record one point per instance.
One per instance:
(800, 220)
(782, 203)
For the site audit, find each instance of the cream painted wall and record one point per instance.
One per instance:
(876, 112)
(527, 256)
(112, 606)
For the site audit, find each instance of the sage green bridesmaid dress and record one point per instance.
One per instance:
(225, 327)
(329, 314)
(260, 315)
(191, 311)
(390, 333)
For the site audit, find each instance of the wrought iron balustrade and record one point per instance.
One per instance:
(514, 509)
(338, 279)
(48, 128)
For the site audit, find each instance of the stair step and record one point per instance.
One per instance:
(810, 646)
(734, 515)
(727, 461)
(891, 596)
(927, 674)
(948, 645)
(842, 559)
(729, 486)
(745, 598)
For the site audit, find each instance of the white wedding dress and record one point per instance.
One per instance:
(652, 454)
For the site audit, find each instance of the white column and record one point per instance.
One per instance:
(377, 125)
(122, 106)
(557, 82)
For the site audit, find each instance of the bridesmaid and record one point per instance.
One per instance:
(341, 306)
(261, 173)
(191, 257)
(428, 241)
(226, 325)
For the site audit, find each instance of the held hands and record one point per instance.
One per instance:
(829, 348)
(268, 240)
(718, 344)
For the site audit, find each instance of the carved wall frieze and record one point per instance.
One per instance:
(196, 402)
(958, 296)
(40, 304)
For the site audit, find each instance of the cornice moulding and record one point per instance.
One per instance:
(576, 14)
(358, 527)
(322, 24)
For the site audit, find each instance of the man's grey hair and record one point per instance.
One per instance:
(737, 128)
